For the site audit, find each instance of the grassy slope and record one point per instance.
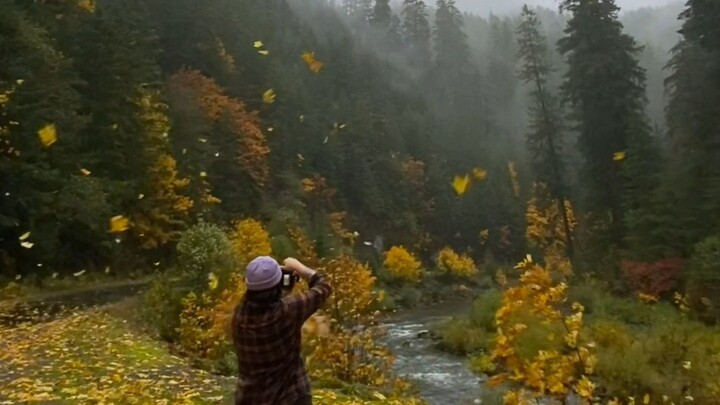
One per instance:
(96, 356)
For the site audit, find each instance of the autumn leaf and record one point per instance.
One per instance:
(619, 156)
(313, 64)
(119, 224)
(27, 245)
(264, 52)
(85, 172)
(269, 96)
(212, 281)
(48, 135)
(258, 44)
(479, 174)
(461, 184)
(585, 388)
(646, 399)
(24, 236)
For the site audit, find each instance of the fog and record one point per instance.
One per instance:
(506, 7)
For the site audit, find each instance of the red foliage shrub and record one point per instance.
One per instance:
(655, 278)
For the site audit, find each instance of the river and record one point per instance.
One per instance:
(440, 378)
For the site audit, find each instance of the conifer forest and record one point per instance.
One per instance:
(514, 204)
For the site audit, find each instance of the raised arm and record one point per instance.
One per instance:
(302, 306)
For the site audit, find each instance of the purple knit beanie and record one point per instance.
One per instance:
(262, 273)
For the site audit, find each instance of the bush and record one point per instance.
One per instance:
(409, 297)
(459, 336)
(705, 262)
(205, 249)
(402, 265)
(451, 263)
(353, 284)
(655, 279)
(703, 287)
(482, 364)
(162, 305)
(482, 313)
(674, 357)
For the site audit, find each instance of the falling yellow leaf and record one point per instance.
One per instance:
(479, 173)
(326, 140)
(269, 96)
(141, 196)
(585, 388)
(264, 52)
(302, 118)
(619, 156)
(212, 281)
(114, 127)
(119, 224)
(461, 184)
(313, 64)
(24, 236)
(203, 140)
(300, 157)
(54, 275)
(107, 270)
(20, 82)
(48, 135)
(79, 273)
(379, 396)
(258, 44)
(18, 277)
(270, 129)
(27, 245)
(85, 172)
(203, 174)
(687, 365)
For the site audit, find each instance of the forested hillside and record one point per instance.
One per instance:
(408, 142)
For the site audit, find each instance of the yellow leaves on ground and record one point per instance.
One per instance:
(91, 357)
(47, 135)
(269, 96)
(313, 64)
(461, 184)
(401, 264)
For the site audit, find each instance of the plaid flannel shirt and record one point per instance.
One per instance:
(267, 341)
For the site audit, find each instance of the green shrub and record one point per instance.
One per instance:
(705, 262)
(282, 246)
(673, 357)
(482, 364)
(409, 296)
(162, 305)
(482, 313)
(202, 249)
(703, 284)
(460, 337)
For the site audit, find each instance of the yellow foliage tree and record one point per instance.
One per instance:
(451, 263)
(163, 211)
(249, 240)
(401, 264)
(337, 220)
(562, 363)
(546, 230)
(353, 285)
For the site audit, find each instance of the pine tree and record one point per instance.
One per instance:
(544, 140)
(693, 117)
(605, 88)
(416, 31)
(382, 14)
(451, 48)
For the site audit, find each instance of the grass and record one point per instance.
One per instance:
(101, 356)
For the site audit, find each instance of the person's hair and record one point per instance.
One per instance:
(265, 296)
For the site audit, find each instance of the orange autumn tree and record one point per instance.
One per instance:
(559, 361)
(219, 108)
(162, 210)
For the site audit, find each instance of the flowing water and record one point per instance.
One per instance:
(441, 378)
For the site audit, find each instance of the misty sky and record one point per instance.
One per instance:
(512, 6)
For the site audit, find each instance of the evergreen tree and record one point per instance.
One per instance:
(544, 140)
(605, 88)
(382, 14)
(693, 117)
(416, 31)
(451, 47)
